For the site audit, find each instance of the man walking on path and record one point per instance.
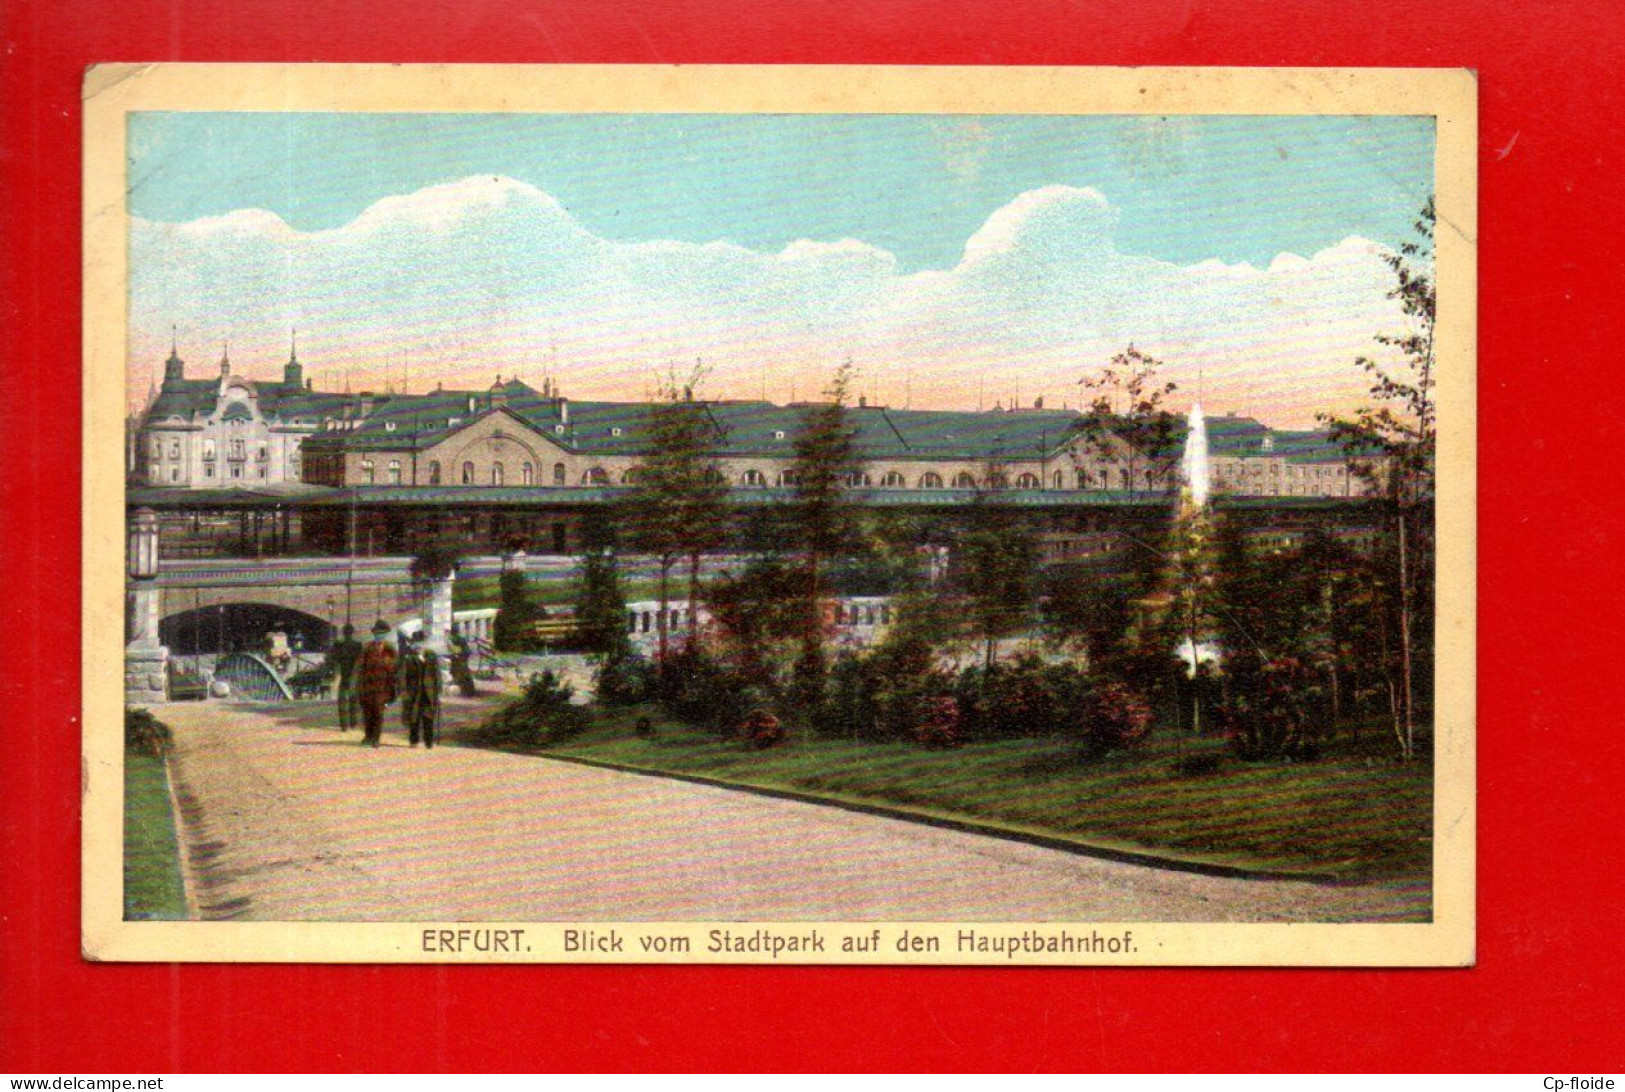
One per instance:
(344, 656)
(420, 691)
(377, 688)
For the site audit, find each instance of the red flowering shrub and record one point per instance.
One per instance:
(1116, 717)
(939, 723)
(762, 729)
(1270, 709)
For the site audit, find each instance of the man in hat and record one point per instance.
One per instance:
(420, 691)
(343, 658)
(377, 686)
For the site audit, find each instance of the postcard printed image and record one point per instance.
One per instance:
(779, 515)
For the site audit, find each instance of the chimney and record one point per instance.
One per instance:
(564, 410)
(366, 399)
(499, 394)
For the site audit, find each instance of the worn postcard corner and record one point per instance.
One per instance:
(779, 515)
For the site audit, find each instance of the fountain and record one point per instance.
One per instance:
(1193, 465)
(1195, 531)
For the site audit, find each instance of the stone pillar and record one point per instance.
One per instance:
(146, 660)
(437, 614)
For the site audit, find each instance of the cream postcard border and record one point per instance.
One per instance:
(110, 92)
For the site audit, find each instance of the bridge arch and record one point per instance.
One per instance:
(240, 627)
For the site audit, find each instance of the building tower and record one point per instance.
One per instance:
(174, 369)
(293, 372)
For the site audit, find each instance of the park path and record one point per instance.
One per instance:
(288, 820)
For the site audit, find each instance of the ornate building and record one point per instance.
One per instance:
(227, 431)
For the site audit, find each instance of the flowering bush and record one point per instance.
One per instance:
(762, 729)
(1115, 717)
(939, 723)
(1269, 708)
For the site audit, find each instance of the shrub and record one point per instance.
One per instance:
(1115, 717)
(1269, 708)
(762, 729)
(545, 713)
(850, 709)
(1024, 698)
(145, 732)
(939, 723)
(695, 687)
(624, 678)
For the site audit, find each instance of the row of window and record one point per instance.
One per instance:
(237, 451)
(498, 474)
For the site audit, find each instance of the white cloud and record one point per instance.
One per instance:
(489, 275)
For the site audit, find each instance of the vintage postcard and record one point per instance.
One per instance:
(780, 515)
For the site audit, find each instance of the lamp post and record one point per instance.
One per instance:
(146, 660)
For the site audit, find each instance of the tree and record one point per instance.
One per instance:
(678, 508)
(825, 458)
(1144, 436)
(1392, 442)
(514, 627)
(601, 607)
(1000, 566)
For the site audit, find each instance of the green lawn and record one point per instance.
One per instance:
(152, 872)
(1350, 815)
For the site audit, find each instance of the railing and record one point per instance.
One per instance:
(251, 678)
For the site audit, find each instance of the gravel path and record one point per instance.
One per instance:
(288, 820)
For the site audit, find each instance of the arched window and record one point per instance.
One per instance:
(595, 476)
(528, 474)
(558, 473)
(931, 480)
(394, 472)
(631, 476)
(1055, 480)
(964, 480)
(858, 479)
(434, 472)
(753, 479)
(789, 479)
(175, 449)
(892, 480)
(468, 473)
(367, 471)
(496, 473)
(1083, 479)
(1027, 481)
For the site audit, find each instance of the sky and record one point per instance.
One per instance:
(956, 260)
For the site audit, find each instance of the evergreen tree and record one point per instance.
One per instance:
(825, 458)
(514, 627)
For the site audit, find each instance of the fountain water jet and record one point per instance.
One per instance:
(1193, 465)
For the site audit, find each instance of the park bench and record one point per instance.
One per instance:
(553, 632)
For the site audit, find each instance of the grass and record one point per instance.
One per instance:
(1351, 815)
(152, 871)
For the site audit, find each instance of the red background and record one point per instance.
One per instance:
(1549, 990)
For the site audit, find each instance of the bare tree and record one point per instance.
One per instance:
(1126, 420)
